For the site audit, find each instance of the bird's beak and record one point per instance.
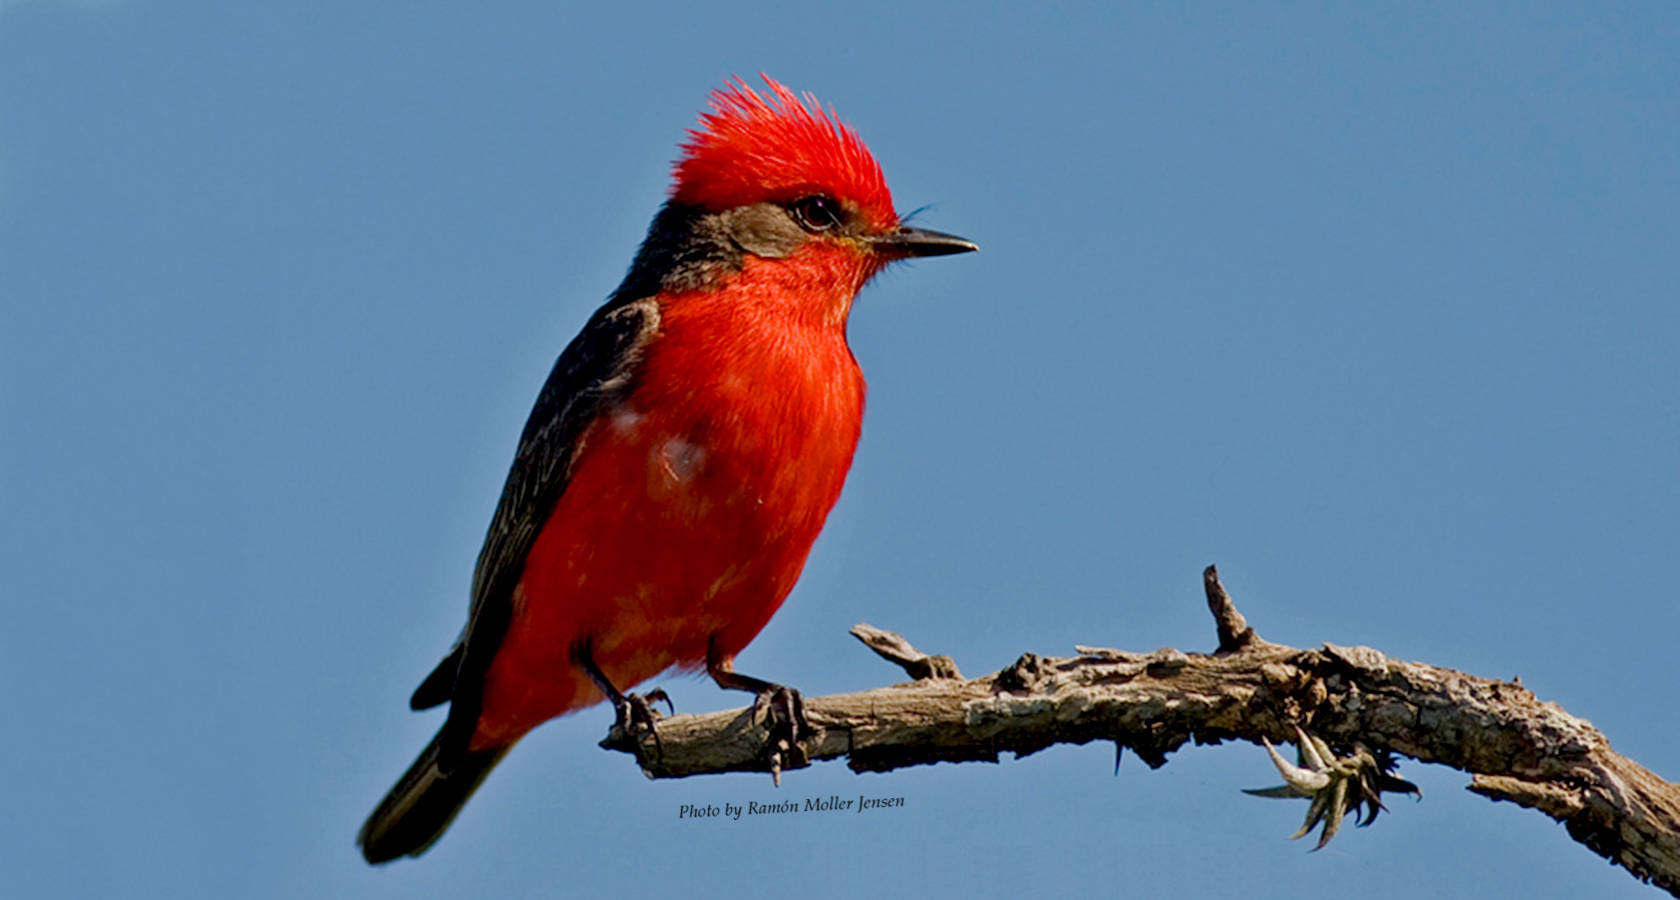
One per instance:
(922, 242)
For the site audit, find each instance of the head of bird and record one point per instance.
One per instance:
(773, 184)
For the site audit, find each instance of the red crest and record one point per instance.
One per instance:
(754, 148)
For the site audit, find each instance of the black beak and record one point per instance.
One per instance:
(922, 242)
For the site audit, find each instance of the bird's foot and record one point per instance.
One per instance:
(634, 714)
(637, 717)
(785, 712)
(785, 718)
(1335, 785)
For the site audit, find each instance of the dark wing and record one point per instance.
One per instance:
(596, 369)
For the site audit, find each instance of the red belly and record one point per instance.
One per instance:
(683, 527)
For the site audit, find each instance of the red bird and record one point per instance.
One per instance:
(682, 456)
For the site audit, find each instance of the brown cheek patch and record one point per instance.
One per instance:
(764, 229)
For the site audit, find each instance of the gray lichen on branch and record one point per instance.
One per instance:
(1517, 747)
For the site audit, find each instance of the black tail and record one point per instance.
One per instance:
(417, 811)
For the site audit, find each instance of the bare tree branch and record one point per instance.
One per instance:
(1517, 748)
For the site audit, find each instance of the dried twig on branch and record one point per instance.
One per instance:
(1516, 747)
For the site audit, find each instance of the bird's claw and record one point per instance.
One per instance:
(636, 716)
(1335, 785)
(785, 719)
(656, 695)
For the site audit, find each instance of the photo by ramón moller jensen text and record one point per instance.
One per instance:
(810, 804)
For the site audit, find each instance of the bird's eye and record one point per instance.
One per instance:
(816, 213)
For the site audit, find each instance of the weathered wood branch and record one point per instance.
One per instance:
(1517, 748)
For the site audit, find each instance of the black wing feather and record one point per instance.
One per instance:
(596, 369)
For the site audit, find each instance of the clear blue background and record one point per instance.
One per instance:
(1374, 305)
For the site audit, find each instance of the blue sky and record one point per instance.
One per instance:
(1372, 305)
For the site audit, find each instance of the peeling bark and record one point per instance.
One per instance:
(1517, 747)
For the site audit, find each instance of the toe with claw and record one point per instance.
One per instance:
(1335, 785)
(784, 711)
(636, 715)
(785, 717)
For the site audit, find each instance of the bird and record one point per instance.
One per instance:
(682, 456)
